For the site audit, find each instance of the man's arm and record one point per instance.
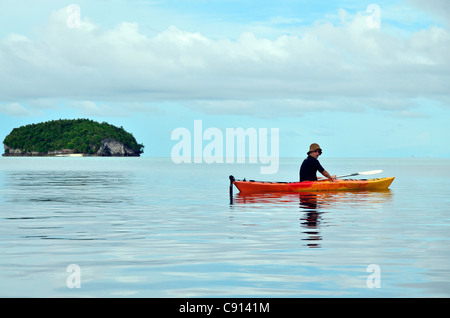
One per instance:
(327, 175)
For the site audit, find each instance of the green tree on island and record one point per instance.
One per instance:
(80, 135)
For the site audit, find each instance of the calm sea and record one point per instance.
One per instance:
(146, 227)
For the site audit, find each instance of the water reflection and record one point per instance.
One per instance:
(67, 187)
(313, 206)
(71, 205)
(310, 221)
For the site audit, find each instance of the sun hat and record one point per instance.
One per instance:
(313, 148)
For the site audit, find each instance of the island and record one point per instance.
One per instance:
(71, 137)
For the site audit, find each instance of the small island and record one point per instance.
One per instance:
(71, 137)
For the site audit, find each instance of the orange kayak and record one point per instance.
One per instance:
(323, 185)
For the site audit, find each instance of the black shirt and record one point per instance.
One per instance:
(309, 168)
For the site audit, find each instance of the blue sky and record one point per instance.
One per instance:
(320, 71)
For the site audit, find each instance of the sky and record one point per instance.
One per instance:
(361, 78)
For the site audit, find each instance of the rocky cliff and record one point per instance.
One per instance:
(111, 147)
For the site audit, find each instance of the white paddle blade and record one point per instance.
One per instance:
(366, 173)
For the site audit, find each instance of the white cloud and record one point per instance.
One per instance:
(15, 109)
(438, 8)
(326, 67)
(102, 109)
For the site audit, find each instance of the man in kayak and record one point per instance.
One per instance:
(311, 165)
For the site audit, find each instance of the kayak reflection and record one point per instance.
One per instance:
(313, 206)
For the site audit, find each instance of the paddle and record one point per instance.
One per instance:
(364, 173)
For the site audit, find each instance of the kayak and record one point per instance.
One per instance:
(252, 186)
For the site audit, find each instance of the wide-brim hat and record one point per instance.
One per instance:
(313, 148)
